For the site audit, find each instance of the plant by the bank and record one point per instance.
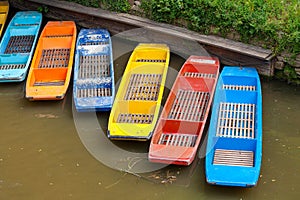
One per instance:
(275, 24)
(113, 5)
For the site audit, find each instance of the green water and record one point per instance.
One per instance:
(44, 154)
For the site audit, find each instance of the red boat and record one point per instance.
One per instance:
(178, 132)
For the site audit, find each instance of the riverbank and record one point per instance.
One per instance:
(230, 51)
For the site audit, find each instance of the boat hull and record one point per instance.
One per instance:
(179, 129)
(51, 66)
(137, 103)
(234, 147)
(94, 87)
(17, 45)
(4, 9)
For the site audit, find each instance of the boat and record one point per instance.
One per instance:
(138, 100)
(51, 67)
(17, 45)
(180, 127)
(93, 86)
(234, 145)
(4, 8)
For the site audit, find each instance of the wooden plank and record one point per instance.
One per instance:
(236, 120)
(229, 52)
(233, 157)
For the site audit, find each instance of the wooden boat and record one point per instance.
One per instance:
(51, 66)
(17, 45)
(179, 129)
(137, 103)
(94, 87)
(4, 8)
(234, 147)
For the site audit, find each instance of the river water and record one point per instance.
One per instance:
(49, 151)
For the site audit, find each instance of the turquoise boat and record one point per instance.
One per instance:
(17, 45)
(234, 146)
(93, 86)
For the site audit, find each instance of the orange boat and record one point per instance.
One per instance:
(51, 66)
(179, 129)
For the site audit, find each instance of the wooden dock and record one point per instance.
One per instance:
(229, 52)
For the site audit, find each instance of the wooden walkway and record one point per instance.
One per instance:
(229, 52)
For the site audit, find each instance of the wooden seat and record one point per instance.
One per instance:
(19, 44)
(151, 60)
(236, 120)
(135, 118)
(12, 66)
(94, 66)
(189, 105)
(185, 140)
(239, 87)
(93, 92)
(143, 87)
(54, 58)
(199, 75)
(233, 157)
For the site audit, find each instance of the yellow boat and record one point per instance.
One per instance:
(4, 8)
(51, 67)
(137, 103)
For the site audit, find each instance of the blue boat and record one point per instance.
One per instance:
(234, 146)
(17, 45)
(93, 86)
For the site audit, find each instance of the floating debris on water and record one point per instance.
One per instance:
(48, 116)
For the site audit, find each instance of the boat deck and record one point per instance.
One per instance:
(189, 105)
(19, 44)
(135, 118)
(235, 120)
(184, 140)
(12, 66)
(144, 87)
(94, 72)
(233, 157)
(138, 100)
(54, 58)
(94, 66)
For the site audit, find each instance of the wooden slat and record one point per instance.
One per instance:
(239, 87)
(236, 120)
(95, 43)
(135, 118)
(143, 87)
(12, 66)
(53, 58)
(233, 157)
(94, 66)
(199, 75)
(189, 105)
(93, 92)
(151, 60)
(26, 24)
(185, 140)
(58, 36)
(50, 83)
(19, 44)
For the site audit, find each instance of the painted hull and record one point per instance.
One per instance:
(51, 66)
(17, 45)
(234, 147)
(137, 103)
(179, 129)
(94, 87)
(4, 8)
